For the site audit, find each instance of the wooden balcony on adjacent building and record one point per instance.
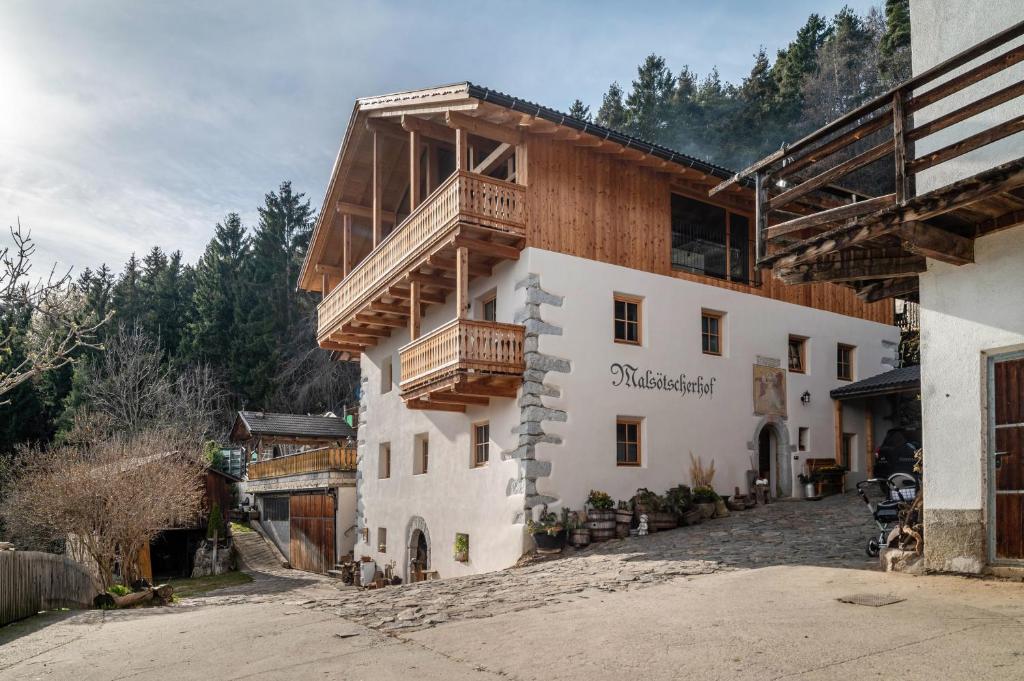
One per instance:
(877, 236)
(324, 460)
(465, 362)
(463, 228)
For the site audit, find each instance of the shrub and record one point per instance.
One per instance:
(704, 495)
(600, 501)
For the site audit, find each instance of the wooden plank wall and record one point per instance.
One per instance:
(31, 581)
(591, 205)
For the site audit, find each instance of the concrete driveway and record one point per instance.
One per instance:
(733, 599)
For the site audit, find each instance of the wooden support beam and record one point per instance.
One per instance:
(488, 248)
(432, 169)
(968, 144)
(335, 346)
(837, 408)
(481, 128)
(461, 282)
(404, 294)
(936, 243)
(414, 169)
(456, 398)
(824, 178)
(436, 280)
(521, 165)
(500, 154)
(425, 405)
(366, 212)
(833, 215)
(414, 310)
(845, 270)
(476, 269)
(899, 141)
(889, 288)
(325, 284)
(485, 389)
(760, 223)
(389, 308)
(346, 245)
(350, 330)
(390, 322)
(428, 129)
(461, 149)
(378, 190)
(329, 269)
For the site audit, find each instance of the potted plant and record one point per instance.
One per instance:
(810, 483)
(624, 513)
(646, 502)
(461, 547)
(579, 535)
(548, 533)
(704, 498)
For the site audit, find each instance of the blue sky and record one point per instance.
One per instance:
(125, 125)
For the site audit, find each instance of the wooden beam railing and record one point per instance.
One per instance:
(313, 461)
(834, 145)
(462, 345)
(463, 198)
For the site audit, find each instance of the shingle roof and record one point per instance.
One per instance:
(296, 425)
(897, 380)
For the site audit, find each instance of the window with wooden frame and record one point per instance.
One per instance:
(844, 362)
(628, 319)
(802, 436)
(387, 376)
(481, 444)
(710, 240)
(384, 461)
(489, 307)
(421, 450)
(627, 441)
(711, 332)
(382, 539)
(798, 354)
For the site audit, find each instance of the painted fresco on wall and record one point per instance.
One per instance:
(769, 391)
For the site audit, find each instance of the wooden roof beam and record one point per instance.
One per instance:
(428, 129)
(482, 128)
(935, 243)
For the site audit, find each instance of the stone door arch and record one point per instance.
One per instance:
(781, 477)
(417, 547)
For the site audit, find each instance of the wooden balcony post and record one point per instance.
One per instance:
(838, 421)
(461, 149)
(900, 147)
(414, 310)
(414, 169)
(325, 285)
(346, 244)
(431, 167)
(760, 223)
(461, 281)
(377, 189)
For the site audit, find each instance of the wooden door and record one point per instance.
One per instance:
(1007, 436)
(311, 536)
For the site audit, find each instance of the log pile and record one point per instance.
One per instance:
(160, 595)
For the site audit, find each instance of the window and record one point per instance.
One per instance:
(489, 307)
(802, 436)
(382, 539)
(798, 354)
(627, 441)
(846, 452)
(710, 240)
(844, 362)
(627, 319)
(481, 443)
(421, 451)
(384, 461)
(386, 376)
(711, 332)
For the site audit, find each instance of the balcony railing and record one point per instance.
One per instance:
(463, 198)
(462, 346)
(313, 461)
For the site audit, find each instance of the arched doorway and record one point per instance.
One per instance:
(417, 549)
(771, 442)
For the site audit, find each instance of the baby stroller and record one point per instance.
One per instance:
(890, 494)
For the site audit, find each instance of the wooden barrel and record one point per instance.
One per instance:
(621, 530)
(663, 521)
(601, 524)
(601, 515)
(623, 516)
(579, 537)
(603, 535)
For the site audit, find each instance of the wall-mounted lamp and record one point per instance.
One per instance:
(806, 397)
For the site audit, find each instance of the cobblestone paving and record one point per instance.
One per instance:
(830, 533)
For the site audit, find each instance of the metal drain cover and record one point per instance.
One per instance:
(872, 600)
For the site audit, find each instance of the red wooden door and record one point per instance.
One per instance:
(1008, 436)
(311, 538)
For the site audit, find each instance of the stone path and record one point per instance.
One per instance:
(830, 533)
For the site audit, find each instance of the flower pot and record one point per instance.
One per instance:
(550, 543)
(662, 521)
(692, 517)
(810, 490)
(621, 530)
(601, 516)
(736, 504)
(707, 510)
(579, 537)
(720, 509)
(623, 516)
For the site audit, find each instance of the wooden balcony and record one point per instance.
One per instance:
(463, 362)
(875, 232)
(323, 460)
(483, 215)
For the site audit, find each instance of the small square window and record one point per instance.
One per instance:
(844, 362)
(803, 434)
(421, 455)
(386, 376)
(481, 444)
(382, 539)
(711, 332)
(627, 441)
(489, 307)
(384, 461)
(798, 354)
(628, 320)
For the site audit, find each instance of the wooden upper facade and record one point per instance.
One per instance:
(434, 187)
(876, 243)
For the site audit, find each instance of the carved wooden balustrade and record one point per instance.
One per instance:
(312, 461)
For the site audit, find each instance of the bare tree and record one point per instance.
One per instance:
(106, 501)
(50, 300)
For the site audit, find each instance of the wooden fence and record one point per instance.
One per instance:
(31, 581)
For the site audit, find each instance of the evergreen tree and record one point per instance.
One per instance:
(579, 110)
(129, 303)
(648, 105)
(612, 113)
(798, 60)
(894, 49)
